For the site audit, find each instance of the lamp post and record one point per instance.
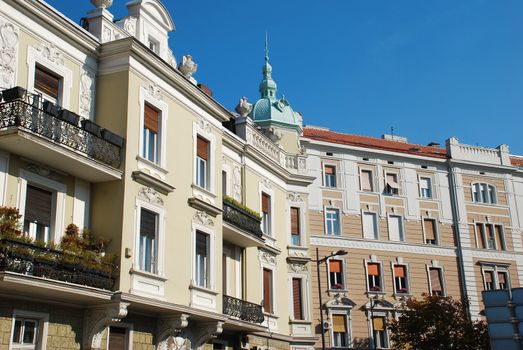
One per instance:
(319, 261)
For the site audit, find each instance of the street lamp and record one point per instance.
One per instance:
(319, 261)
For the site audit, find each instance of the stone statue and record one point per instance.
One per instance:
(102, 4)
(243, 108)
(187, 67)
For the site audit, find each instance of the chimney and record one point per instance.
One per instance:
(205, 89)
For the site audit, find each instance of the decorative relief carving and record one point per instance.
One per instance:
(207, 332)
(150, 195)
(97, 319)
(244, 107)
(298, 268)
(237, 183)
(107, 34)
(154, 91)
(203, 218)
(266, 183)
(43, 170)
(129, 25)
(86, 93)
(168, 331)
(51, 53)
(203, 125)
(266, 257)
(294, 197)
(187, 67)
(8, 52)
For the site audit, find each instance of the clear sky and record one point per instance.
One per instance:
(431, 69)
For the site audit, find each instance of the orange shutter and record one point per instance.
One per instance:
(329, 169)
(267, 279)
(150, 118)
(296, 295)
(295, 221)
(480, 236)
(202, 148)
(373, 269)
(46, 82)
(334, 265)
(399, 271)
(378, 323)
(265, 202)
(499, 237)
(429, 229)
(338, 324)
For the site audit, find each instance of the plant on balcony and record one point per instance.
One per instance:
(234, 202)
(403, 290)
(375, 289)
(337, 286)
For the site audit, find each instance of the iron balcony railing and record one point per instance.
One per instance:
(241, 219)
(25, 116)
(242, 309)
(33, 260)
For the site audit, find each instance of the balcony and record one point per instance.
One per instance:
(241, 227)
(33, 260)
(242, 310)
(35, 134)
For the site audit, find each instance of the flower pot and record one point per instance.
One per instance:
(91, 127)
(50, 108)
(112, 138)
(68, 116)
(15, 93)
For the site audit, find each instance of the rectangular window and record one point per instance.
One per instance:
(117, 338)
(436, 281)
(202, 161)
(429, 227)
(47, 84)
(295, 226)
(495, 278)
(374, 277)
(502, 280)
(400, 279)
(379, 332)
(391, 184)
(38, 213)
(366, 180)
(267, 290)
(489, 280)
(425, 187)
(25, 334)
(151, 139)
(330, 175)
(224, 183)
(297, 298)
(370, 225)
(202, 260)
(484, 193)
(266, 213)
(148, 244)
(395, 228)
(332, 221)
(490, 236)
(339, 331)
(336, 274)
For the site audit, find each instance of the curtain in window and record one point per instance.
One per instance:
(366, 180)
(295, 220)
(265, 202)
(378, 323)
(334, 265)
(373, 269)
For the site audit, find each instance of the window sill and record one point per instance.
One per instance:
(147, 274)
(337, 291)
(371, 292)
(149, 164)
(202, 289)
(292, 320)
(271, 315)
(402, 295)
(203, 190)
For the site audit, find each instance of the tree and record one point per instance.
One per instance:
(437, 323)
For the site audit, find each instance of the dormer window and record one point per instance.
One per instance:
(154, 45)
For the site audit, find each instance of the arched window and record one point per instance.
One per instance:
(484, 193)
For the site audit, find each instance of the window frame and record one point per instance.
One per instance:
(163, 115)
(387, 189)
(376, 225)
(380, 277)
(128, 334)
(334, 176)
(371, 179)
(429, 189)
(272, 310)
(211, 284)
(348, 328)
(436, 230)
(407, 278)
(401, 228)
(476, 188)
(160, 212)
(326, 220)
(303, 296)
(484, 235)
(60, 78)
(42, 329)
(385, 331)
(266, 216)
(343, 282)
(442, 279)
(299, 233)
(205, 163)
(496, 269)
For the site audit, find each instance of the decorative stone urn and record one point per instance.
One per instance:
(102, 4)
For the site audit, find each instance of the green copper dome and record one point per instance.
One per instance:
(269, 110)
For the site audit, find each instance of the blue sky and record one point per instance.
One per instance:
(431, 69)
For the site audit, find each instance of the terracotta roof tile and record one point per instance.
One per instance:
(516, 161)
(372, 142)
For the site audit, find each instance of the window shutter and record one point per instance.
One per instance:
(429, 229)
(373, 269)
(480, 236)
(267, 290)
(392, 181)
(202, 148)
(295, 221)
(38, 205)
(329, 169)
(399, 271)
(296, 295)
(151, 118)
(369, 225)
(499, 237)
(501, 278)
(338, 324)
(424, 182)
(366, 180)
(148, 223)
(334, 265)
(435, 280)
(488, 276)
(117, 338)
(46, 82)
(378, 323)
(394, 228)
(265, 202)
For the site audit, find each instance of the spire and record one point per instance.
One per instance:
(267, 85)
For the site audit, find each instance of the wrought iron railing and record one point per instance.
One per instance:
(242, 309)
(25, 116)
(30, 259)
(240, 218)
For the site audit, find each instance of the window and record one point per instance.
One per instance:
(154, 45)
(374, 277)
(117, 338)
(202, 160)
(202, 271)
(495, 277)
(490, 236)
(38, 213)
(336, 274)
(339, 331)
(224, 183)
(266, 213)
(151, 137)
(295, 226)
(400, 279)
(484, 193)
(332, 221)
(425, 186)
(267, 290)
(47, 84)
(429, 229)
(297, 299)
(395, 228)
(366, 180)
(436, 281)
(379, 332)
(370, 225)
(391, 184)
(330, 175)
(25, 334)
(148, 241)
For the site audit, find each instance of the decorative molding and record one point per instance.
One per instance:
(150, 195)
(267, 257)
(153, 90)
(243, 108)
(200, 204)
(203, 218)
(187, 67)
(298, 268)
(203, 125)
(107, 34)
(168, 331)
(207, 332)
(294, 197)
(97, 319)
(51, 53)
(148, 180)
(9, 38)
(266, 183)
(87, 93)
(237, 183)
(129, 25)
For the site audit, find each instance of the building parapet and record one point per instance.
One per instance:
(496, 156)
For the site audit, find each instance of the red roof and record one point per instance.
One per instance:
(373, 142)
(516, 161)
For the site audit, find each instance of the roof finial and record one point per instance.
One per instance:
(266, 47)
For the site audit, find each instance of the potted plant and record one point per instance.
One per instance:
(69, 116)
(50, 108)
(337, 286)
(375, 289)
(112, 138)
(91, 127)
(403, 291)
(14, 93)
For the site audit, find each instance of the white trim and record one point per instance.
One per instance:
(344, 272)
(431, 186)
(304, 283)
(372, 260)
(401, 229)
(302, 211)
(4, 171)
(376, 225)
(407, 277)
(43, 327)
(434, 265)
(336, 179)
(340, 222)
(195, 227)
(436, 230)
(367, 168)
(263, 188)
(346, 312)
(202, 128)
(163, 116)
(139, 204)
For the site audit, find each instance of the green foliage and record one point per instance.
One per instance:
(437, 323)
(10, 223)
(234, 202)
